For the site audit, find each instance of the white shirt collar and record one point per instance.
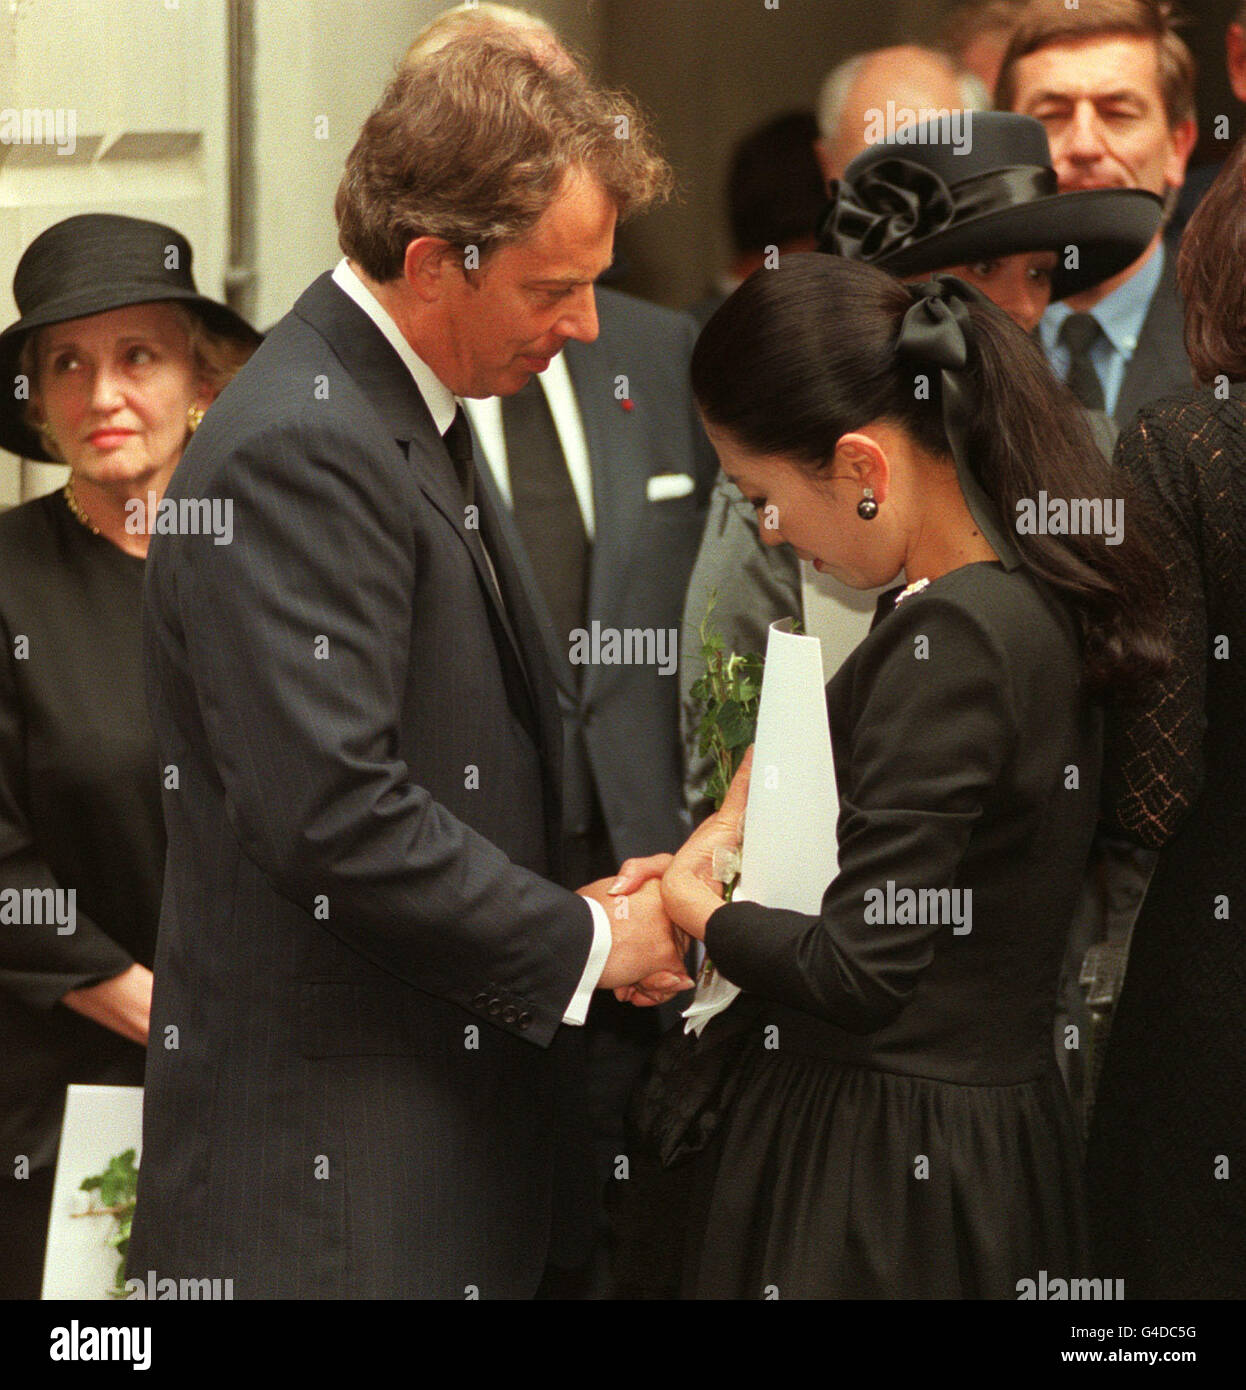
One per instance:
(438, 397)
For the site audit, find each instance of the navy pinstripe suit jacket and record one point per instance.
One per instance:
(356, 1073)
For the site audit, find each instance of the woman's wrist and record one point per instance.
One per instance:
(695, 911)
(121, 1004)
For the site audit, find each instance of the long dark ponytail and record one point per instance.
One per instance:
(805, 353)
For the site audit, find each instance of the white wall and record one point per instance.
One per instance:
(147, 81)
(320, 67)
(143, 82)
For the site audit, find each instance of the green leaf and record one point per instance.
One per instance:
(117, 1186)
(728, 695)
(734, 726)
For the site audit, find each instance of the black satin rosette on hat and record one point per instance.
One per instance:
(893, 205)
(924, 203)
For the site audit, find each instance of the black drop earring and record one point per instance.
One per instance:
(867, 508)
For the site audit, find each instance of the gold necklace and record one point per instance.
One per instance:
(76, 508)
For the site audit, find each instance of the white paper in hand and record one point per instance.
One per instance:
(789, 854)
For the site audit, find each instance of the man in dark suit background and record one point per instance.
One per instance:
(603, 499)
(357, 1084)
(1113, 83)
(602, 470)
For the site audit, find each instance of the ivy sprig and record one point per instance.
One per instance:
(117, 1187)
(729, 694)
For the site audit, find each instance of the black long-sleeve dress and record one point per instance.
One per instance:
(897, 1125)
(80, 809)
(1167, 1149)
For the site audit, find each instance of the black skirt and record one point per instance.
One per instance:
(829, 1180)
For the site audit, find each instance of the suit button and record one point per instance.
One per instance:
(510, 1013)
(480, 1000)
(495, 1007)
(524, 1019)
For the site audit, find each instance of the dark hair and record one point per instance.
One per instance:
(474, 147)
(975, 18)
(1211, 270)
(803, 354)
(1045, 22)
(775, 188)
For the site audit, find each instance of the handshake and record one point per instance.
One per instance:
(656, 904)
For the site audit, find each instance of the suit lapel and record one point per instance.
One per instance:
(379, 372)
(437, 481)
(531, 643)
(1159, 363)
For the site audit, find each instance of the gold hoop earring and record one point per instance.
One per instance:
(194, 418)
(49, 441)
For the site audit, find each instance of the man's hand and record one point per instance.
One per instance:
(122, 1003)
(690, 890)
(645, 946)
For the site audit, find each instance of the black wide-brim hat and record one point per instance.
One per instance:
(975, 186)
(87, 265)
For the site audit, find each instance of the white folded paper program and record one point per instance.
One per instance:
(789, 855)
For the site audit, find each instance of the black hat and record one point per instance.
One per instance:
(87, 265)
(974, 185)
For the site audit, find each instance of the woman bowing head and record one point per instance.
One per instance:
(894, 1124)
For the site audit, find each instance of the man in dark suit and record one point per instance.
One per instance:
(358, 1080)
(599, 471)
(1113, 83)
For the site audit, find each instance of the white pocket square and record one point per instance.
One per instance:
(662, 487)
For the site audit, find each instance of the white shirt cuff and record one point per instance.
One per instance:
(577, 1009)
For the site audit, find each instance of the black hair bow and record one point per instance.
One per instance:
(936, 332)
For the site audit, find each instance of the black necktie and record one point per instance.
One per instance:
(458, 442)
(1079, 333)
(545, 508)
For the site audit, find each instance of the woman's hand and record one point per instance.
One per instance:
(690, 889)
(634, 872)
(122, 1003)
(690, 892)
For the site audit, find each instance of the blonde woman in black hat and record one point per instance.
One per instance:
(109, 369)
